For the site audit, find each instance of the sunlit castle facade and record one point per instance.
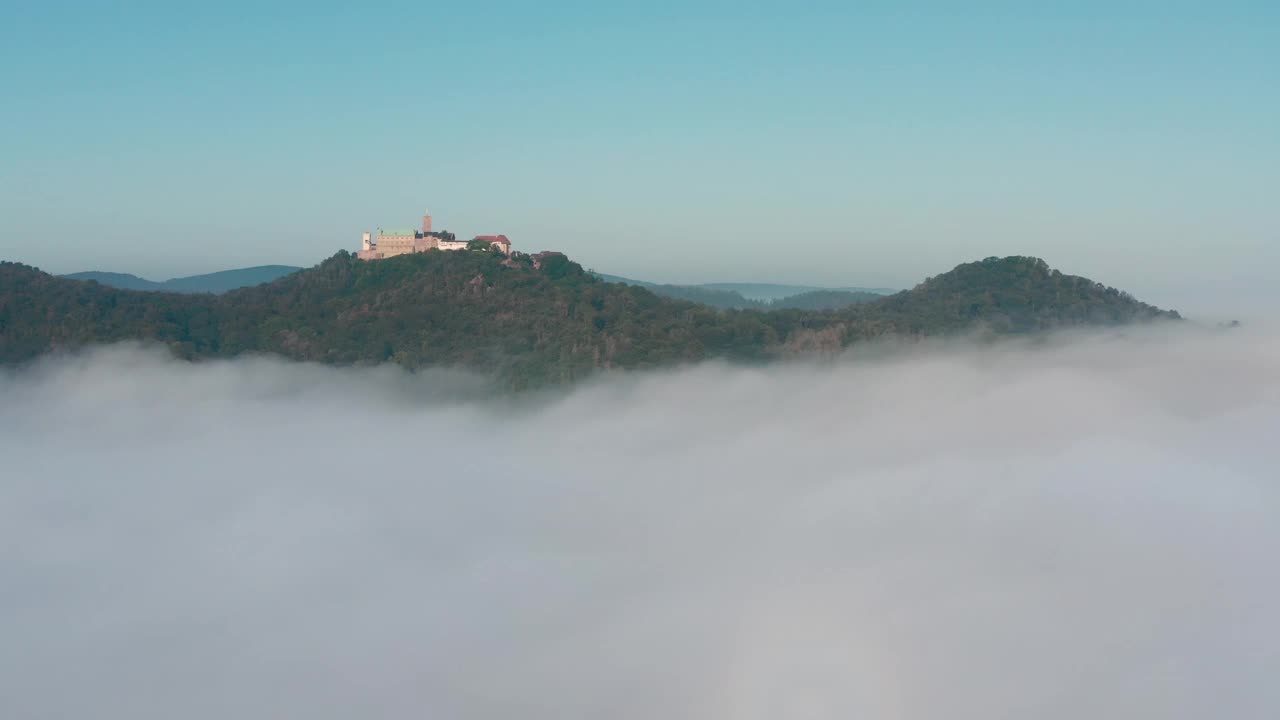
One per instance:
(389, 243)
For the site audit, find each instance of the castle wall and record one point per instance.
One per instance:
(390, 243)
(397, 244)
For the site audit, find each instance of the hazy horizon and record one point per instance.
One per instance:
(1247, 304)
(692, 142)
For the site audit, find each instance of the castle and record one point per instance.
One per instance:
(390, 243)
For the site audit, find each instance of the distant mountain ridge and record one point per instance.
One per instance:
(526, 322)
(216, 282)
(725, 296)
(124, 281)
(758, 296)
(773, 291)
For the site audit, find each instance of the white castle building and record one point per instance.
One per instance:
(390, 243)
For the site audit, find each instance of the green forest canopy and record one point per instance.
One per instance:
(526, 321)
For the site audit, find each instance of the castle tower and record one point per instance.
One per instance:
(367, 241)
(426, 222)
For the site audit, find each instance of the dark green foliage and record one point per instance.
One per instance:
(825, 300)
(723, 299)
(1009, 295)
(528, 325)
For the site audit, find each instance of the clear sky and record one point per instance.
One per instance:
(839, 143)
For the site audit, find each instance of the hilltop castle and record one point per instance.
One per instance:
(390, 243)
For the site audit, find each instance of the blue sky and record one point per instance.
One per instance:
(835, 143)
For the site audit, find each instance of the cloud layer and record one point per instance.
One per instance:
(1085, 528)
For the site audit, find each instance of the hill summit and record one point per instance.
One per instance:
(529, 320)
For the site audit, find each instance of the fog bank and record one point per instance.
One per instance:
(1080, 529)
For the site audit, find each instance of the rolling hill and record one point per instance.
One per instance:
(526, 325)
(725, 296)
(217, 282)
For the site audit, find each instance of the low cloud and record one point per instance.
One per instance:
(1084, 528)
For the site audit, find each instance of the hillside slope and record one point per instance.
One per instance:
(1010, 295)
(216, 282)
(524, 324)
(124, 281)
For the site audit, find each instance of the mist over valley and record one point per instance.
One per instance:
(1078, 526)
(639, 361)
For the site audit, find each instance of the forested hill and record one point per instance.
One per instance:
(527, 325)
(1009, 295)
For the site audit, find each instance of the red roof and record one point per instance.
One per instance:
(501, 239)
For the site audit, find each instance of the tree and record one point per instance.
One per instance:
(528, 325)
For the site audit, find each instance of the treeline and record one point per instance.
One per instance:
(527, 322)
